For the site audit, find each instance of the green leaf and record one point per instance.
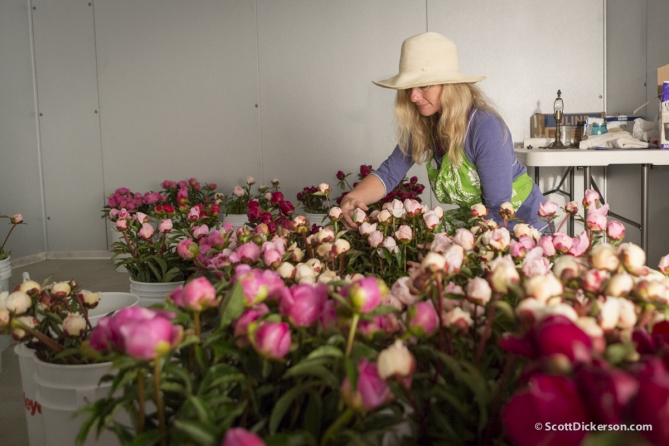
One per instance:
(295, 438)
(317, 370)
(313, 415)
(381, 310)
(196, 432)
(148, 438)
(326, 350)
(171, 275)
(232, 306)
(283, 404)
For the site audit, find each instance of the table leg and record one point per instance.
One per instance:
(587, 181)
(644, 207)
(571, 198)
(536, 176)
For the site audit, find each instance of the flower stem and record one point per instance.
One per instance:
(7, 238)
(334, 427)
(84, 310)
(141, 413)
(341, 264)
(351, 334)
(159, 400)
(488, 328)
(196, 321)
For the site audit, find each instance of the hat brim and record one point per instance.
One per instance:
(403, 81)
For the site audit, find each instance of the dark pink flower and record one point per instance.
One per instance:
(199, 294)
(303, 304)
(249, 252)
(366, 294)
(606, 391)
(371, 391)
(238, 436)
(547, 400)
(424, 320)
(271, 339)
(242, 324)
(188, 249)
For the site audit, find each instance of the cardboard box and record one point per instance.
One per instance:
(542, 124)
(662, 76)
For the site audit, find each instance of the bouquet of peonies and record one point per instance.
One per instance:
(238, 202)
(15, 220)
(488, 336)
(52, 319)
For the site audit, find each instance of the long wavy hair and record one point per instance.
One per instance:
(415, 132)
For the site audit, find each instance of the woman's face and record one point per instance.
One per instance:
(427, 99)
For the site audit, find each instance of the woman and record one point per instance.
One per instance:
(444, 121)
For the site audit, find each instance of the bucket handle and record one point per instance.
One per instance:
(86, 396)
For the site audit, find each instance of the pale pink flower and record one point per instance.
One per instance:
(500, 239)
(89, 298)
(590, 198)
(439, 211)
(200, 231)
(431, 220)
(543, 287)
(390, 244)
(402, 291)
(193, 214)
(324, 188)
(458, 318)
(30, 287)
(454, 256)
(478, 291)
(567, 267)
(620, 285)
(596, 218)
(517, 249)
(522, 229)
(479, 210)
(506, 210)
(16, 219)
(664, 264)
(384, 216)
(396, 361)
(534, 263)
(359, 216)
(335, 213)
(286, 270)
(547, 209)
(593, 279)
(615, 230)
(464, 238)
(146, 231)
(412, 207)
(271, 258)
(404, 234)
(121, 224)
(17, 302)
(238, 191)
(605, 257)
(374, 216)
(248, 252)
(440, 243)
(571, 208)
(562, 242)
(433, 262)
(530, 310)
(632, 257)
(325, 235)
(503, 273)
(366, 229)
(250, 181)
(546, 244)
(375, 239)
(341, 246)
(165, 225)
(60, 290)
(579, 245)
(141, 217)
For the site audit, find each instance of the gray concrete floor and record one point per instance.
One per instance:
(93, 275)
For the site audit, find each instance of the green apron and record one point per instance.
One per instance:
(460, 185)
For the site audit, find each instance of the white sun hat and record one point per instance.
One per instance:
(428, 59)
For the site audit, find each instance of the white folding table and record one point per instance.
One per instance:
(586, 159)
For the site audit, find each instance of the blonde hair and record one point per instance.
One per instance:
(415, 132)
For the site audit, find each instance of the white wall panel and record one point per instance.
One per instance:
(320, 111)
(69, 124)
(20, 182)
(178, 91)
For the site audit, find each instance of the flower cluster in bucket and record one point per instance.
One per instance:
(14, 220)
(487, 334)
(148, 244)
(51, 319)
(242, 199)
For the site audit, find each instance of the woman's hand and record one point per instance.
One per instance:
(368, 191)
(348, 205)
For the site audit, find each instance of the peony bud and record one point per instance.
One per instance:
(16, 219)
(303, 304)
(615, 230)
(74, 325)
(335, 213)
(146, 231)
(620, 285)
(632, 257)
(423, 319)
(17, 303)
(199, 294)
(238, 436)
(506, 210)
(479, 210)
(271, 339)
(544, 287)
(478, 291)
(457, 318)
(89, 298)
(165, 226)
(286, 270)
(396, 361)
(250, 181)
(324, 188)
(60, 290)
(366, 294)
(121, 225)
(188, 249)
(404, 234)
(503, 272)
(547, 209)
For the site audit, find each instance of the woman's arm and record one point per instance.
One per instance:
(375, 186)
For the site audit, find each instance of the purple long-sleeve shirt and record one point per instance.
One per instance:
(489, 147)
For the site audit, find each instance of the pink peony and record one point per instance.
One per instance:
(423, 319)
(188, 249)
(366, 294)
(303, 304)
(238, 436)
(615, 230)
(547, 209)
(146, 231)
(371, 390)
(271, 339)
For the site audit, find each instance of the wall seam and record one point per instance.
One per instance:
(259, 105)
(97, 89)
(40, 161)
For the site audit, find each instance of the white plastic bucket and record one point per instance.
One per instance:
(237, 220)
(32, 407)
(64, 389)
(152, 293)
(5, 274)
(110, 302)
